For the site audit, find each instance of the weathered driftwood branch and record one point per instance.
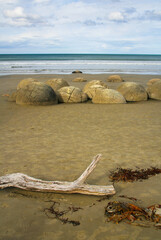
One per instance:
(20, 180)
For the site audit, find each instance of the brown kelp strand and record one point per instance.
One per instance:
(121, 211)
(130, 198)
(54, 212)
(74, 209)
(122, 174)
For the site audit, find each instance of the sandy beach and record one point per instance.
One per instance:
(58, 142)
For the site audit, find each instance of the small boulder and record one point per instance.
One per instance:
(152, 81)
(133, 92)
(79, 80)
(114, 78)
(108, 96)
(25, 82)
(154, 90)
(71, 94)
(77, 71)
(57, 83)
(36, 93)
(94, 82)
(92, 90)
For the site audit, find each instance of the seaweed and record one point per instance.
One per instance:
(52, 212)
(130, 198)
(129, 175)
(103, 198)
(74, 209)
(133, 214)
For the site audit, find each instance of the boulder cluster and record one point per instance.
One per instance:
(57, 90)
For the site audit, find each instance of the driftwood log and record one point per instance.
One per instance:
(22, 181)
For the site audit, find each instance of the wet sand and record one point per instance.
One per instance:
(58, 142)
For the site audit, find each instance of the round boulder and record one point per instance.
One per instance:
(152, 81)
(71, 95)
(25, 82)
(108, 96)
(79, 80)
(36, 93)
(114, 78)
(92, 90)
(57, 83)
(154, 90)
(77, 71)
(133, 92)
(94, 82)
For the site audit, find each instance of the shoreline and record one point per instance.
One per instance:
(90, 73)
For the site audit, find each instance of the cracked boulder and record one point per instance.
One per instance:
(154, 91)
(71, 94)
(36, 93)
(25, 82)
(108, 96)
(133, 92)
(94, 82)
(92, 90)
(57, 83)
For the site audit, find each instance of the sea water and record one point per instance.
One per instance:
(87, 63)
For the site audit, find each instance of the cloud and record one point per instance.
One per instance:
(75, 12)
(17, 12)
(8, 1)
(130, 10)
(116, 16)
(84, 25)
(152, 15)
(33, 37)
(104, 46)
(90, 23)
(93, 23)
(41, 1)
(18, 17)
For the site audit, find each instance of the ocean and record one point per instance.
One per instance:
(87, 63)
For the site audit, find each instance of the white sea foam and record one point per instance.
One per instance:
(87, 66)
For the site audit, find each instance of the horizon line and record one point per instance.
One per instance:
(82, 53)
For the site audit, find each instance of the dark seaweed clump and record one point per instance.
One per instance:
(54, 212)
(129, 175)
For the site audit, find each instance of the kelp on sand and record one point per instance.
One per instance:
(121, 211)
(129, 175)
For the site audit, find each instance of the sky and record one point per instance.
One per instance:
(80, 26)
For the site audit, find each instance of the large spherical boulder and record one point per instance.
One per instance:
(23, 83)
(108, 96)
(152, 81)
(154, 90)
(92, 90)
(79, 80)
(114, 78)
(57, 83)
(71, 94)
(94, 82)
(133, 92)
(36, 93)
